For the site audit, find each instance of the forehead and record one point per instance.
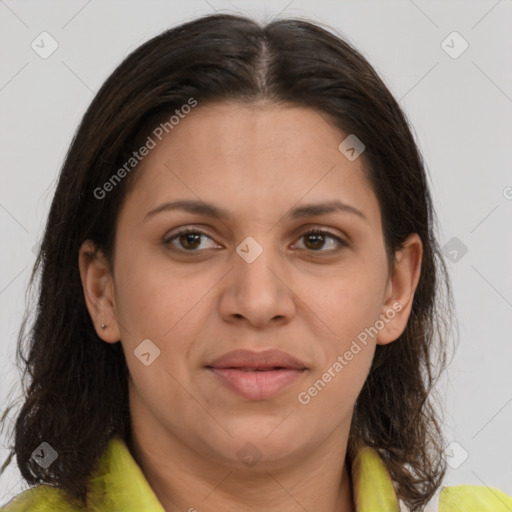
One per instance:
(252, 157)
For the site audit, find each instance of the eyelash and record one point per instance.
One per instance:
(186, 231)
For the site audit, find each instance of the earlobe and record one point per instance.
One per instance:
(400, 291)
(98, 289)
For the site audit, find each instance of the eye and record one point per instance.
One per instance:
(317, 237)
(189, 239)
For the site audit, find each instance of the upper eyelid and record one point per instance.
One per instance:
(301, 230)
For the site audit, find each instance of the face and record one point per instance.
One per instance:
(255, 278)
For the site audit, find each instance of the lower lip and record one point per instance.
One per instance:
(257, 385)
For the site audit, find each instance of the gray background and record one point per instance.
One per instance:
(460, 109)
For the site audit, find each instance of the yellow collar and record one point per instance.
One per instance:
(127, 488)
(118, 484)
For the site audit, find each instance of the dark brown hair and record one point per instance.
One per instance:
(77, 399)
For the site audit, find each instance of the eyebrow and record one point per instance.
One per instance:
(210, 210)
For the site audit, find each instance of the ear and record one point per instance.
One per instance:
(400, 290)
(98, 287)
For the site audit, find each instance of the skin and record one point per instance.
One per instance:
(299, 295)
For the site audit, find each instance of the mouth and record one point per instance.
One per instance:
(256, 375)
(257, 383)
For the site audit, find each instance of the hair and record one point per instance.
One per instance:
(77, 399)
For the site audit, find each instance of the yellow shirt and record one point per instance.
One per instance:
(120, 486)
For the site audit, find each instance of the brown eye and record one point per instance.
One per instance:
(189, 240)
(316, 240)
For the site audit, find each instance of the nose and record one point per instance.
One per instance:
(257, 290)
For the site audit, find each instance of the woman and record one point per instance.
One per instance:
(241, 290)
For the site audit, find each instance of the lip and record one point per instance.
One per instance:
(257, 385)
(264, 360)
(257, 375)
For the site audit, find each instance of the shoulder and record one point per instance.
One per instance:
(474, 498)
(43, 498)
(466, 498)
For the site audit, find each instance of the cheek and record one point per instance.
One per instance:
(166, 305)
(152, 297)
(351, 300)
(160, 304)
(335, 387)
(349, 308)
